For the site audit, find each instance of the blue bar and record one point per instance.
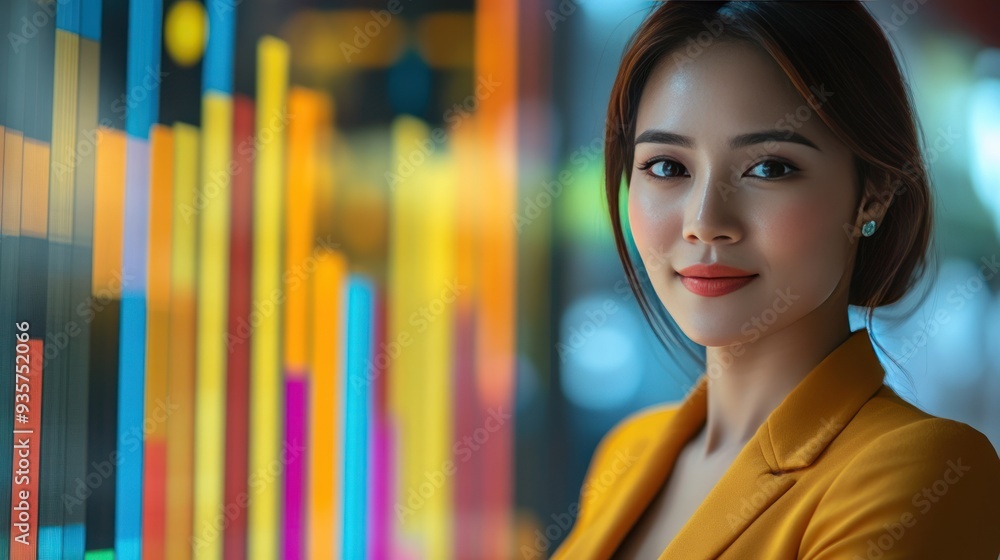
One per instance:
(68, 15)
(131, 386)
(357, 390)
(90, 20)
(132, 353)
(74, 539)
(142, 80)
(217, 68)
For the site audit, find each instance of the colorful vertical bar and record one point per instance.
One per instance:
(104, 314)
(325, 468)
(144, 30)
(183, 338)
(213, 216)
(240, 331)
(161, 180)
(79, 381)
(266, 382)
(496, 48)
(357, 391)
(60, 183)
(306, 109)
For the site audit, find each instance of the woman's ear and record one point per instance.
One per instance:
(875, 201)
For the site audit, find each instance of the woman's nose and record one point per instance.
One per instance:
(710, 213)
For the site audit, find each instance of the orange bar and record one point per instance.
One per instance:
(161, 182)
(109, 212)
(496, 86)
(326, 467)
(2, 137)
(35, 189)
(183, 320)
(306, 110)
(13, 156)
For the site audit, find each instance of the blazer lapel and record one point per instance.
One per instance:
(747, 488)
(792, 437)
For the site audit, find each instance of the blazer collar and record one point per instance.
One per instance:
(792, 437)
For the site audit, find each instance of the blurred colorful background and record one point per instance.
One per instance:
(334, 279)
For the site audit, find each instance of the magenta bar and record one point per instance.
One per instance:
(294, 454)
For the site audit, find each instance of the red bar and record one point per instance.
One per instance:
(235, 492)
(27, 439)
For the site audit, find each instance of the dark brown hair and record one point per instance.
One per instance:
(837, 46)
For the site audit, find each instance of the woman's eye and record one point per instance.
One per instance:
(664, 169)
(771, 169)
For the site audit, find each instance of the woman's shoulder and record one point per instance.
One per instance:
(898, 425)
(637, 426)
(629, 437)
(909, 469)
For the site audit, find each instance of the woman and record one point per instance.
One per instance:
(774, 177)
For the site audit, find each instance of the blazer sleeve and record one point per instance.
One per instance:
(930, 489)
(609, 449)
(614, 455)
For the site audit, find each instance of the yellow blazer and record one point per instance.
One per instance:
(843, 468)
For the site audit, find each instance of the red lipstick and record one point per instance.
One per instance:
(713, 280)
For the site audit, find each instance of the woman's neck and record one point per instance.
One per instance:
(747, 382)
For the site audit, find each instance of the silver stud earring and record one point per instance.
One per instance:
(868, 229)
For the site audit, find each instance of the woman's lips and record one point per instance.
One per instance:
(714, 287)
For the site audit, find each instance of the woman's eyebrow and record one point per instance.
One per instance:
(743, 140)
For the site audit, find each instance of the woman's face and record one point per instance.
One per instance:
(733, 167)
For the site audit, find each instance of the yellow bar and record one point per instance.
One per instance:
(406, 287)
(326, 396)
(183, 313)
(423, 299)
(63, 165)
(212, 211)
(266, 385)
(438, 216)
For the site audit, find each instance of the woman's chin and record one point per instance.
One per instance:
(713, 333)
